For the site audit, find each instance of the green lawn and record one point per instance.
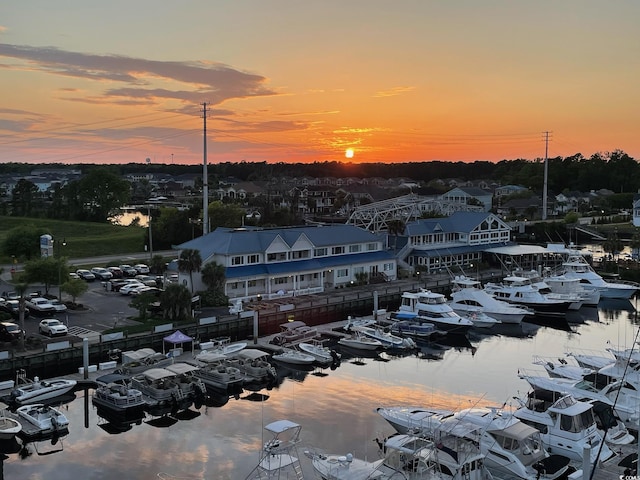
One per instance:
(83, 239)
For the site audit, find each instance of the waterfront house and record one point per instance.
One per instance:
(278, 262)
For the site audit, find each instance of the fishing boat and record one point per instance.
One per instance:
(42, 419)
(359, 341)
(415, 330)
(323, 354)
(30, 391)
(279, 457)
(294, 357)
(388, 340)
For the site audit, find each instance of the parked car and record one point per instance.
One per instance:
(126, 289)
(116, 272)
(141, 268)
(128, 270)
(10, 332)
(52, 327)
(40, 306)
(147, 280)
(102, 273)
(12, 308)
(58, 305)
(86, 275)
(74, 275)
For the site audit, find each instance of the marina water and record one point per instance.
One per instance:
(335, 406)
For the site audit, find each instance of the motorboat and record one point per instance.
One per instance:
(322, 354)
(567, 426)
(114, 393)
(29, 391)
(359, 341)
(295, 357)
(42, 419)
(481, 320)
(560, 368)
(468, 297)
(592, 360)
(564, 285)
(575, 265)
(9, 427)
(620, 396)
(387, 339)
(433, 308)
(511, 448)
(254, 365)
(519, 291)
(406, 456)
(217, 371)
(224, 346)
(294, 332)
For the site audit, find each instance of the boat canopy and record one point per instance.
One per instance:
(252, 353)
(154, 374)
(211, 357)
(181, 367)
(138, 354)
(280, 426)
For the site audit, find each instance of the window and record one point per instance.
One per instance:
(343, 272)
(337, 250)
(387, 267)
(253, 258)
(372, 246)
(300, 254)
(252, 283)
(320, 252)
(354, 248)
(280, 280)
(237, 260)
(276, 257)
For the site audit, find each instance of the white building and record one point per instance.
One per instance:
(271, 263)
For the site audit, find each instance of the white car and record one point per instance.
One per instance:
(40, 306)
(141, 268)
(52, 327)
(58, 305)
(126, 289)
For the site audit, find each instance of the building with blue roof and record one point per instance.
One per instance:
(274, 262)
(436, 244)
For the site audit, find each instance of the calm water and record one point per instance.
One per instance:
(335, 407)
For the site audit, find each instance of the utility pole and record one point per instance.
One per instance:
(205, 179)
(546, 174)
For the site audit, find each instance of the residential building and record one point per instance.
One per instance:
(469, 195)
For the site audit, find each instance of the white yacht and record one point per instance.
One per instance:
(323, 354)
(511, 448)
(432, 307)
(29, 391)
(567, 426)
(468, 297)
(407, 457)
(618, 395)
(576, 266)
(519, 290)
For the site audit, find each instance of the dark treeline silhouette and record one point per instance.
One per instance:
(614, 171)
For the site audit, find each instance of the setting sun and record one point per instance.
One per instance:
(348, 153)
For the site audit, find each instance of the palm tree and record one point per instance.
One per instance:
(395, 227)
(175, 302)
(190, 261)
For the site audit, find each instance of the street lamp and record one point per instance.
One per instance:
(63, 244)
(150, 234)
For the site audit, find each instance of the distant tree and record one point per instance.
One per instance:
(48, 271)
(395, 228)
(100, 193)
(571, 218)
(190, 261)
(157, 264)
(23, 242)
(24, 196)
(225, 215)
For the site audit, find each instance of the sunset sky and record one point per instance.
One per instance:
(303, 81)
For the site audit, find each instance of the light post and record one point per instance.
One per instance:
(150, 233)
(63, 244)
